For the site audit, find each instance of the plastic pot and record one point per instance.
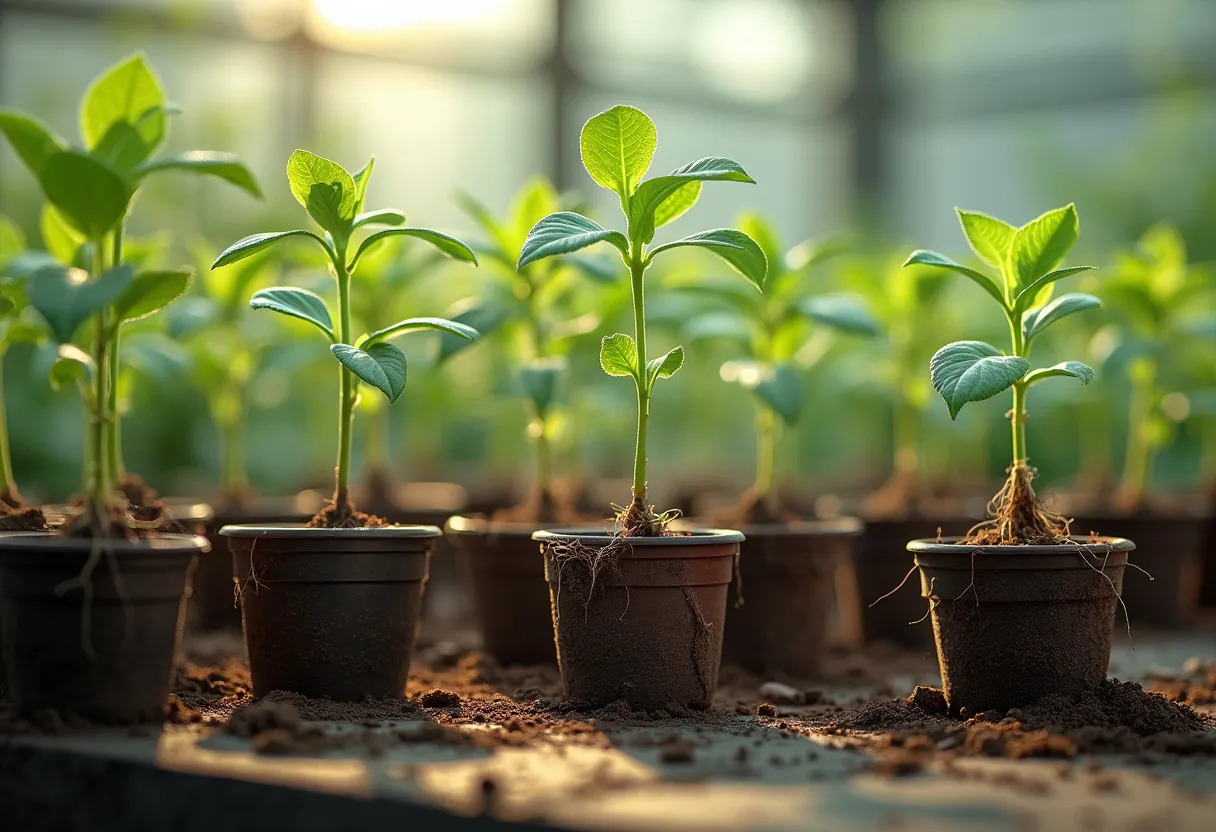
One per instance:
(502, 566)
(330, 612)
(130, 625)
(647, 626)
(1015, 623)
(787, 578)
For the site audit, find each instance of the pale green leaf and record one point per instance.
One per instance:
(1040, 245)
(990, 238)
(666, 365)
(619, 355)
(128, 93)
(682, 199)
(324, 188)
(617, 146)
(645, 202)
(386, 216)
(60, 239)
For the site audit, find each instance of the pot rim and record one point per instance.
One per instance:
(950, 545)
(302, 531)
(53, 541)
(695, 537)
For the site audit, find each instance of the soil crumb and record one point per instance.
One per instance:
(23, 520)
(344, 516)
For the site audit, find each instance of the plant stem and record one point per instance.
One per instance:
(766, 451)
(637, 271)
(98, 474)
(7, 482)
(1018, 413)
(346, 403)
(1137, 460)
(114, 426)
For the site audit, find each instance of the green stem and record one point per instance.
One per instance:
(637, 271)
(9, 484)
(766, 451)
(1018, 413)
(99, 478)
(114, 425)
(1137, 461)
(346, 402)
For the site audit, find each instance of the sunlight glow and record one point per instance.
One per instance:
(366, 16)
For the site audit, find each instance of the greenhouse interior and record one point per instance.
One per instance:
(608, 415)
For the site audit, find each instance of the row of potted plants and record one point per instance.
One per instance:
(637, 606)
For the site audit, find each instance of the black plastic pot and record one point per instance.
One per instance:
(131, 624)
(330, 612)
(879, 566)
(502, 566)
(646, 627)
(787, 578)
(1015, 623)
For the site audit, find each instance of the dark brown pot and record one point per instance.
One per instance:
(131, 625)
(502, 566)
(1170, 548)
(647, 627)
(879, 567)
(330, 612)
(787, 579)
(1015, 623)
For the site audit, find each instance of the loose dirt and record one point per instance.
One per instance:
(22, 520)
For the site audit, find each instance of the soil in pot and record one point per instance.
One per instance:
(1016, 623)
(639, 619)
(330, 612)
(107, 658)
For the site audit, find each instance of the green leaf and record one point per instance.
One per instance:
(1028, 294)
(617, 146)
(666, 365)
(539, 380)
(990, 238)
(66, 298)
(683, 198)
(325, 190)
(484, 317)
(386, 216)
(254, 243)
(22, 331)
(1038, 319)
(91, 197)
(645, 202)
(12, 241)
(298, 303)
(847, 313)
(150, 292)
(564, 232)
(127, 93)
(63, 242)
(1040, 245)
(361, 179)
(733, 246)
(224, 166)
(971, 371)
(409, 324)
(778, 386)
(619, 355)
(762, 231)
(445, 243)
(33, 142)
(72, 366)
(6, 306)
(1070, 369)
(381, 365)
(932, 258)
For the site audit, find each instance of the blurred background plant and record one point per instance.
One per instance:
(871, 115)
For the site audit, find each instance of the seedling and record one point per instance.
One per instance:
(784, 333)
(1026, 261)
(123, 121)
(536, 307)
(1154, 294)
(617, 147)
(334, 199)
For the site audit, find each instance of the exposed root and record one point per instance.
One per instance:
(341, 514)
(593, 560)
(1017, 518)
(641, 520)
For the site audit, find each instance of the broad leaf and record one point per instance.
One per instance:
(224, 166)
(66, 298)
(1028, 294)
(971, 371)
(677, 204)
(60, 239)
(33, 142)
(381, 365)
(485, 318)
(254, 243)
(617, 146)
(539, 380)
(847, 313)
(1038, 319)
(128, 93)
(564, 232)
(1068, 369)
(619, 355)
(990, 238)
(644, 204)
(1040, 245)
(445, 243)
(666, 365)
(442, 324)
(91, 197)
(72, 366)
(735, 247)
(298, 303)
(324, 188)
(150, 292)
(941, 261)
(387, 216)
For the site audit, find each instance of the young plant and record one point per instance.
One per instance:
(334, 199)
(123, 121)
(784, 333)
(1154, 294)
(1026, 261)
(536, 307)
(617, 147)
